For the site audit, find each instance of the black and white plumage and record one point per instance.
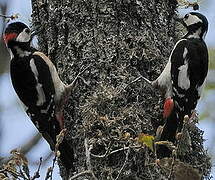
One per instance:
(38, 86)
(184, 76)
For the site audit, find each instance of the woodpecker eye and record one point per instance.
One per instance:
(27, 30)
(186, 16)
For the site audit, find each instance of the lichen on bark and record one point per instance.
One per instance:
(120, 39)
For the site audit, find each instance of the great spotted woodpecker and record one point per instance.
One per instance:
(38, 86)
(184, 76)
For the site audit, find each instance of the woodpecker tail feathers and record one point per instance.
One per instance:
(67, 156)
(168, 133)
(170, 127)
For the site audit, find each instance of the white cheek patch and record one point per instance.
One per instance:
(192, 19)
(183, 79)
(23, 37)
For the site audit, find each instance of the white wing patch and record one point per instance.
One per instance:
(183, 79)
(23, 36)
(58, 84)
(41, 95)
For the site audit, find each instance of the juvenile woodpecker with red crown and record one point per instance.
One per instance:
(183, 78)
(38, 86)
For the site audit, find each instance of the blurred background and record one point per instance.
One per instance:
(16, 130)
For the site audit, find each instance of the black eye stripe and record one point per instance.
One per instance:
(27, 30)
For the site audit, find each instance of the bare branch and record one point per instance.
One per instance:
(30, 144)
(87, 152)
(115, 151)
(25, 148)
(71, 86)
(37, 173)
(12, 17)
(123, 166)
(88, 172)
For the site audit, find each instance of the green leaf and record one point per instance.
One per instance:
(146, 139)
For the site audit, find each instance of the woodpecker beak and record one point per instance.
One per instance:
(9, 37)
(34, 33)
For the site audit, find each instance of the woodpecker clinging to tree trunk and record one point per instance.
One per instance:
(184, 76)
(38, 86)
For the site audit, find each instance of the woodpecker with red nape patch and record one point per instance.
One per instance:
(38, 86)
(184, 76)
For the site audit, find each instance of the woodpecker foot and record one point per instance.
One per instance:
(168, 107)
(60, 119)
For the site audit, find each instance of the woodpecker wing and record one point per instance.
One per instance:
(189, 67)
(32, 81)
(33, 84)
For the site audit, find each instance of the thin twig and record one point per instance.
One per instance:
(137, 79)
(46, 159)
(48, 173)
(23, 174)
(37, 173)
(71, 85)
(12, 17)
(5, 16)
(87, 152)
(172, 166)
(123, 166)
(14, 174)
(115, 151)
(53, 164)
(146, 80)
(25, 148)
(105, 154)
(88, 172)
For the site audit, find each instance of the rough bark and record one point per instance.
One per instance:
(120, 39)
(4, 56)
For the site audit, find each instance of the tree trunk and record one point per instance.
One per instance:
(120, 39)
